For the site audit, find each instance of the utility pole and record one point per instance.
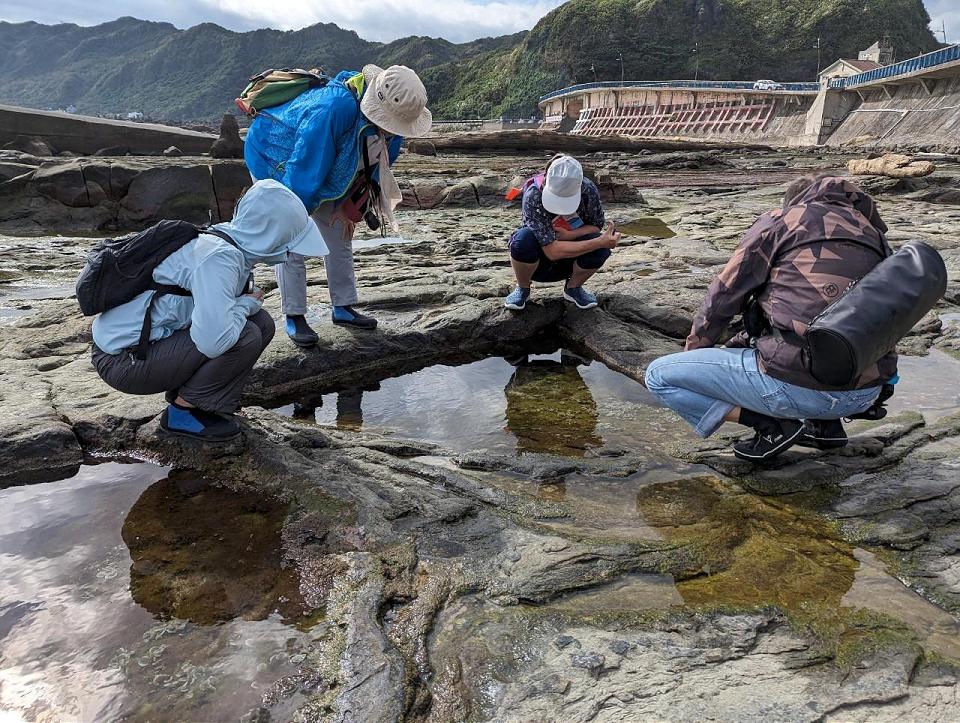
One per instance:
(696, 55)
(817, 46)
(943, 29)
(593, 70)
(620, 58)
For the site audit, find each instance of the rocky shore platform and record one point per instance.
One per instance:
(578, 557)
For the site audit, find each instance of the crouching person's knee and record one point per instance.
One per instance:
(594, 259)
(653, 377)
(524, 246)
(264, 322)
(250, 341)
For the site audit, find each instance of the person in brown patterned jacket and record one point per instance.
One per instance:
(795, 261)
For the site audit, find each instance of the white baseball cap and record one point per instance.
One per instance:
(561, 191)
(396, 100)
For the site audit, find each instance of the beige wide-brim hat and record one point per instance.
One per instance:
(396, 100)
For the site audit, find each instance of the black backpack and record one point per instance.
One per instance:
(873, 314)
(119, 270)
(867, 320)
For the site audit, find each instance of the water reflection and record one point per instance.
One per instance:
(558, 403)
(550, 407)
(648, 226)
(349, 408)
(207, 554)
(76, 645)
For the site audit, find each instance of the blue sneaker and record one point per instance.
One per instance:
(580, 296)
(198, 424)
(348, 316)
(300, 332)
(517, 299)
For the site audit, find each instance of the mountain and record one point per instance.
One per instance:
(194, 74)
(182, 75)
(582, 41)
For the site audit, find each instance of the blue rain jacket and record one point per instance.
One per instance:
(269, 219)
(311, 144)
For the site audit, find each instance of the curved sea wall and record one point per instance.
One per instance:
(912, 114)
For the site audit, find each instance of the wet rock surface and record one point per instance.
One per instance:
(619, 569)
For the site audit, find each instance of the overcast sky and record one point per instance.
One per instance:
(456, 20)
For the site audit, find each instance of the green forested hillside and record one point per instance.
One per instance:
(583, 40)
(194, 74)
(170, 74)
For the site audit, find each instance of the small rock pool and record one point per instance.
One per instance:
(559, 403)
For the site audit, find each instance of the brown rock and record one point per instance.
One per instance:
(229, 144)
(184, 192)
(33, 146)
(62, 182)
(894, 165)
(421, 147)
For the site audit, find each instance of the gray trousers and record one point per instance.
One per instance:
(176, 366)
(341, 279)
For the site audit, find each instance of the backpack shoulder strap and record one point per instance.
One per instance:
(213, 231)
(143, 344)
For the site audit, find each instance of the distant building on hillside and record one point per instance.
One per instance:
(881, 52)
(845, 67)
(876, 56)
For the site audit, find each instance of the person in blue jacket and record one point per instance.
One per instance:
(203, 346)
(315, 146)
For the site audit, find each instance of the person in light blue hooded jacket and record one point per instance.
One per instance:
(203, 346)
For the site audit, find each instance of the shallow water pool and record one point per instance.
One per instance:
(558, 403)
(129, 591)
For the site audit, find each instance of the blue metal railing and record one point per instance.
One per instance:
(904, 67)
(684, 84)
(911, 65)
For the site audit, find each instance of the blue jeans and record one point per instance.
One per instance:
(703, 385)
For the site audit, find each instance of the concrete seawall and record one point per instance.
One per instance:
(718, 114)
(904, 115)
(86, 136)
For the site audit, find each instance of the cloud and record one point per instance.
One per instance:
(945, 13)
(455, 20)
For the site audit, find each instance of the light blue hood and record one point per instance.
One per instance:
(270, 222)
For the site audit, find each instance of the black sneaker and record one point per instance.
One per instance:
(823, 434)
(772, 437)
(348, 316)
(300, 332)
(199, 424)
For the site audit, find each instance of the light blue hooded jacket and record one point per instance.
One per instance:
(270, 221)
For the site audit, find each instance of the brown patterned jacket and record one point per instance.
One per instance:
(801, 258)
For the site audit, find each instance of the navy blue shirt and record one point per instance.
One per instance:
(540, 221)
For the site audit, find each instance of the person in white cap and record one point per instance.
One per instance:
(333, 146)
(563, 235)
